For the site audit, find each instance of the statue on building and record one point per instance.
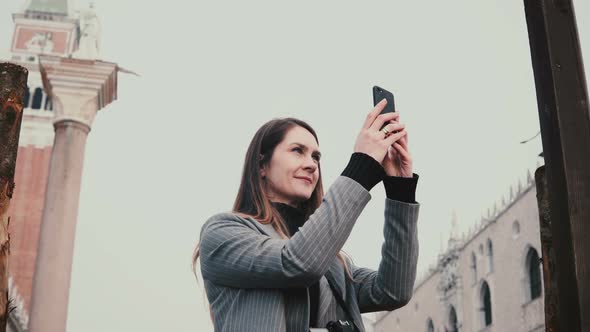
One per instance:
(88, 46)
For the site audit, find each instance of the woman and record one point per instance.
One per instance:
(274, 263)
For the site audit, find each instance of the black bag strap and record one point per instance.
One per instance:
(343, 305)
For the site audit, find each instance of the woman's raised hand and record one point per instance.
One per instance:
(398, 161)
(375, 142)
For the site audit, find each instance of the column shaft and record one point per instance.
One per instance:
(51, 282)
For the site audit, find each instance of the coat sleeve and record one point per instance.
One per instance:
(391, 286)
(234, 255)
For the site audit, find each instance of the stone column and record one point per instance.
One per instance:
(78, 89)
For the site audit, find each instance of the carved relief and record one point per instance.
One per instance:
(41, 42)
(449, 274)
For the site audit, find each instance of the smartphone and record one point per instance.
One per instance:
(378, 95)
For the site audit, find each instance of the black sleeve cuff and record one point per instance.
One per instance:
(400, 188)
(364, 169)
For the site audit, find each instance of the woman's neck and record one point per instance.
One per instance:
(292, 216)
(291, 204)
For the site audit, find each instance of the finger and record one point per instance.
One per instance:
(374, 113)
(382, 119)
(395, 126)
(396, 136)
(392, 128)
(403, 153)
(400, 149)
(404, 141)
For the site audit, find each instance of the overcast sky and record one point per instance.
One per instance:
(168, 153)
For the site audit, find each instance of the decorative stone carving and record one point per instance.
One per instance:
(449, 277)
(41, 42)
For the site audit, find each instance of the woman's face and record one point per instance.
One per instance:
(293, 171)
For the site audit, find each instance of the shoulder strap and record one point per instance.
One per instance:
(343, 305)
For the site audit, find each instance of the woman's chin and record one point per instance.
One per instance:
(306, 196)
(302, 196)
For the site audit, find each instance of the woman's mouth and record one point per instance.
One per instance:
(305, 179)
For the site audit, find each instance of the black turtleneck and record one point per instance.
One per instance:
(294, 217)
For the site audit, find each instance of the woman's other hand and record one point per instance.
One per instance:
(375, 142)
(398, 160)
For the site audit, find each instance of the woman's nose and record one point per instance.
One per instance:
(310, 164)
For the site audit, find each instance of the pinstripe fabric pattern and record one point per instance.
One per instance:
(256, 281)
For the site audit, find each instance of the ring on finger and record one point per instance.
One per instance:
(385, 131)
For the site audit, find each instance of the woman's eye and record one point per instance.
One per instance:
(300, 151)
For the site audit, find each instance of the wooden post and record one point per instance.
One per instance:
(13, 83)
(562, 100)
(548, 254)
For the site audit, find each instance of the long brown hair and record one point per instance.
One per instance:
(252, 199)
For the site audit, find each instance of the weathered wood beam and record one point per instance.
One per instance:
(562, 100)
(13, 83)
(548, 254)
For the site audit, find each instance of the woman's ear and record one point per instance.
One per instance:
(262, 168)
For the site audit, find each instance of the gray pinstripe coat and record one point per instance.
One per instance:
(256, 281)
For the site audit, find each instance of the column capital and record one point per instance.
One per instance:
(74, 107)
(78, 88)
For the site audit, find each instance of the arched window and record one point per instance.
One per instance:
(429, 326)
(473, 268)
(515, 229)
(534, 274)
(27, 97)
(453, 325)
(490, 256)
(486, 304)
(37, 99)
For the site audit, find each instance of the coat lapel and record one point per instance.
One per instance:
(335, 276)
(269, 230)
(265, 228)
